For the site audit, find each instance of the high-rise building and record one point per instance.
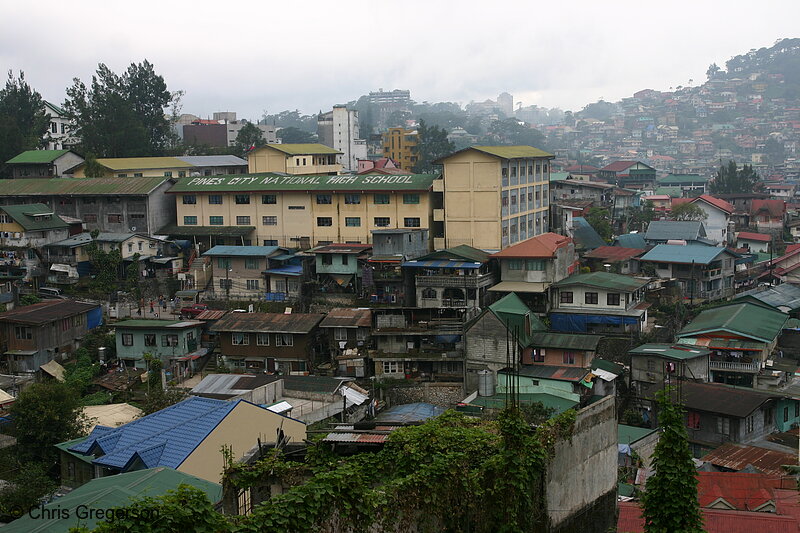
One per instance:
(338, 129)
(400, 144)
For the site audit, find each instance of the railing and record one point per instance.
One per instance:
(735, 367)
(469, 282)
(55, 258)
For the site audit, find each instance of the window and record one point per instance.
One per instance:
(297, 208)
(429, 294)
(169, 340)
(612, 298)
(381, 222)
(252, 263)
(167, 173)
(568, 358)
(345, 259)
(411, 222)
(324, 199)
(270, 242)
(538, 355)
(223, 262)
(77, 320)
(786, 414)
(136, 216)
(189, 199)
(535, 264)
(269, 199)
(391, 367)
(23, 333)
(149, 339)
(189, 221)
(768, 417)
(242, 199)
(181, 173)
(324, 221)
(225, 283)
(566, 297)
(723, 425)
(242, 220)
(284, 339)
(215, 199)
(240, 339)
(327, 259)
(90, 218)
(693, 420)
(216, 221)
(352, 222)
(269, 221)
(352, 198)
(252, 284)
(130, 247)
(127, 339)
(340, 334)
(590, 297)
(515, 264)
(411, 198)
(361, 334)
(651, 365)
(796, 409)
(380, 199)
(115, 219)
(262, 339)
(137, 174)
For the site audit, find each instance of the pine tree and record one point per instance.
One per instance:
(731, 179)
(669, 503)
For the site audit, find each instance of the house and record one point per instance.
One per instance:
(742, 337)
(296, 159)
(784, 297)
(340, 267)
(274, 342)
(530, 267)
(704, 272)
(655, 365)
(662, 203)
(455, 278)
(784, 268)
(563, 191)
(754, 242)
(286, 275)
(493, 196)
(561, 349)
(109, 415)
(742, 204)
(239, 271)
(614, 259)
(569, 383)
(780, 191)
(599, 302)
(689, 184)
(59, 133)
(103, 204)
(24, 230)
(631, 240)
(175, 343)
(348, 333)
(43, 163)
(629, 174)
(383, 165)
(731, 457)
(186, 436)
(664, 231)
(718, 213)
(86, 505)
(767, 215)
(499, 336)
(383, 276)
(636, 442)
(36, 334)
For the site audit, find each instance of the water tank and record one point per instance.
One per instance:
(101, 354)
(485, 383)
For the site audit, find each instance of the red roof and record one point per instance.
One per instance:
(716, 202)
(613, 253)
(714, 521)
(745, 492)
(775, 208)
(619, 166)
(544, 245)
(679, 201)
(792, 248)
(754, 236)
(581, 168)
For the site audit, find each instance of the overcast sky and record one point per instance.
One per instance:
(309, 55)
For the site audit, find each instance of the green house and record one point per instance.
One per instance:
(175, 342)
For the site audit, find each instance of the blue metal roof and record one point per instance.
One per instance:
(286, 270)
(585, 236)
(164, 438)
(631, 240)
(242, 251)
(690, 253)
(441, 263)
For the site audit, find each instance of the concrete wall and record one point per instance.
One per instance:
(441, 394)
(583, 472)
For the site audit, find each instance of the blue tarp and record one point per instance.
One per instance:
(441, 263)
(578, 323)
(94, 318)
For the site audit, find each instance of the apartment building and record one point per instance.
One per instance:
(400, 144)
(339, 129)
(297, 159)
(494, 196)
(300, 211)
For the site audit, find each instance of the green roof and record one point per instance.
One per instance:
(25, 216)
(36, 156)
(106, 493)
(604, 280)
(205, 231)
(631, 434)
(512, 312)
(279, 182)
(302, 149)
(608, 366)
(567, 341)
(745, 319)
(462, 251)
(669, 351)
(81, 186)
(672, 192)
(65, 447)
(683, 178)
(512, 152)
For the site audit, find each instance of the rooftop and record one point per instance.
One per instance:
(300, 323)
(744, 319)
(48, 311)
(784, 295)
(300, 149)
(342, 317)
(242, 251)
(34, 217)
(278, 182)
(684, 254)
(676, 352)
(737, 457)
(632, 434)
(614, 254)
(557, 373)
(714, 521)
(32, 157)
(157, 324)
(213, 160)
(683, 178)
(722, 399)
(225, 386)
(567, 341)
(81, 186)
(630, 240)
(750, 236)
(716, 202)
(513, 312)
(585, 236)
(665, 230)
(544, 245)
(604, 280)
(503, 152)
(143, 163)
(341, 248)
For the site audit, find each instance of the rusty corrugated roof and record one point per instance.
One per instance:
(300, 323)
(737, 456)
(44, 312)
(342, 317)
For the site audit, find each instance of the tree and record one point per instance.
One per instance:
(731, 179)
(688, 211)
(249, 137)
(45, 414)
(600, 220)
(122, 116)
(432, 144)
(670, 500)
(510, 131)
(292, 135)
(24, 491)
(23, 122)
(712, 71)
(105, 266)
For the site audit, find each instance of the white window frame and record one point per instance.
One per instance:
(243, 340)
(262, 339)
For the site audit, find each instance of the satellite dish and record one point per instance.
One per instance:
(133, 228)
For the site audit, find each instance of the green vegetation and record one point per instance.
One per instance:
(600, 219)
(249, 137)
(731, 179)
(432, 144)
(689, 211)
(23, 122)
(292, 135)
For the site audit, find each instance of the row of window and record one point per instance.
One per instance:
(612, 298)
(526, 264)
(353, 222)
(522, 173)
(567, 357)
(322, 199)
(262, 339)
(150, 339)
(114, 218)
(167, 174)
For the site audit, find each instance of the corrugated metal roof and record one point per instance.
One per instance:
(441, 263)
(212, 160)
(520, 286)
(48, 311)
(714, 521)
(585, 236)
(544, 245)
(36, 157)
(722, 399)
(631, 240)
(503, 152)
(745, 319)
(460, 252)
(559, 373)
(300, 323)
(342, 317)
(81, 186)
(604, 280)
(211, 314)
(498, 401)
(613, 253)
(144, 163)
(684, 254)
(277, 182)
(205, 231)
(300, 149)
(669, 351)
(632, 434)
(683, 179)
(230, 385)
(685, 230)
(743, 491)
(517, 316)
(783, 295)
(567, 341)
(157, 324)
(751, 236)
(324, 384)
(242, 251)
(738, 456)
(26, 216)
(409, 413)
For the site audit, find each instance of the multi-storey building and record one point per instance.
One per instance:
(494, 196)
(58, 134)
(400, 144)
(300, 211)
(298, 159)
(338, 129)
(167, 167)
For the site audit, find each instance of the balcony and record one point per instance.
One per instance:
(730, 366)
(460, 282)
